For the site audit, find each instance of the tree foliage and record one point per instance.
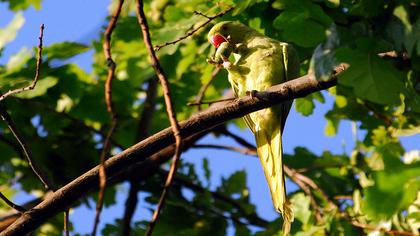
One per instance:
(374, 188)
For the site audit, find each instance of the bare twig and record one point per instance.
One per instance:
(201, 14)
(343, 197)
(204, 88)
(209, 19)
(66, 223)
(38, 68)
(246, 151)
(169, 109)
(11, 204)
(48, 184)
(237, 138)
(376, 228)
(12, 126)
(110, 108)
(210, 102)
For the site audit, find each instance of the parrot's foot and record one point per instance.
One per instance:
(252, 93)
(211, 61)
(259, 95)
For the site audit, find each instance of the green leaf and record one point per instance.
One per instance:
(206, 169)
(301, 208)
(235, 184)
(323, 59)
(64, 50)
(306, 105)
(17, 5)
(241, 5)
(19, 60)
(370, 77)
(331, 128)
(296, 27)
(393, 191)
(300, 19)
(40, 89)
(9, 33)
(411, 32)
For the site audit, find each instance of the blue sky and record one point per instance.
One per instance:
(81, 20)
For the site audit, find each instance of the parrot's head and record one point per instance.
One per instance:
(228, 31)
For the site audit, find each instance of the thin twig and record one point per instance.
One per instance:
(66, 223)
(376, 228)
(169, 109)
(48, 184)
(201, 14)
(110, 108)
(317, 167)
(190, 33)
(11, 204)
(295, 177)
(237, 138)
(38, 68)
(246, 151)
(210, 102)
(12, 126)
(204, 88)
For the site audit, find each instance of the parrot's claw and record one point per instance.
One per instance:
(259, 95)
(211, 61)
(252, 94)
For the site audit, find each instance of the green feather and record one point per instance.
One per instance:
(261, 62)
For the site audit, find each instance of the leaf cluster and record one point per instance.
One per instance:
(64, 119)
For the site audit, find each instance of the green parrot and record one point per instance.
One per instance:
(260, 62)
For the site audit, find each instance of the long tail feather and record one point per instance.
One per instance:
(269, 148)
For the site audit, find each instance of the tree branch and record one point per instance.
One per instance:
(11, 204)
(48, 184)
(169, 110)
(110, 108)
(154, 147)
(38, 68)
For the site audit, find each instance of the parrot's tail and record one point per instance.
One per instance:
(269, 148)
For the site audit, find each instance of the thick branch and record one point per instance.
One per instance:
(140, 152)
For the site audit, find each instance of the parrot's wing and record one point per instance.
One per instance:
(247, 118)
(291, 71)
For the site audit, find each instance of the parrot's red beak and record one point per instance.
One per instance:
(216, 40)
